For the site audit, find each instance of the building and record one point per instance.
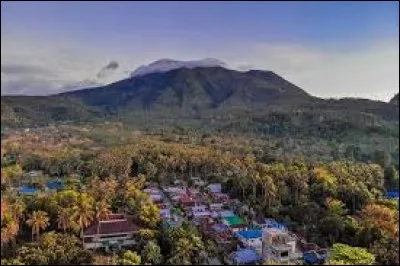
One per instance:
(236, 223)
(215, 188)
(251, 239)
(116, 232)
(198, 182)
(265, 223)
(392, 194)
(173, 221)
(279, 245)
(55, 185)
(215, 206)
(245, 256)
(165, 213)
(315, 257)
(220, 197)
(24, 190)
(200, 211)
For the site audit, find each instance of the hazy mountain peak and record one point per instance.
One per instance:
(165, 64)
(395, 99)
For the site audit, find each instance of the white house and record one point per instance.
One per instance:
(279, 245)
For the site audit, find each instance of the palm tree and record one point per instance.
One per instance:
(17, 208)
(152, 253)
(38, 220)
(64, 219)
(102, 210)
(83, 212)
(187, 249)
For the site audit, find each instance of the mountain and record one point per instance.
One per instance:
(395, 99)
(214, 97)
(164, 65)
(41, 110)
(200, 87)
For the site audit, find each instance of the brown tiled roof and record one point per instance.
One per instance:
(112, 226)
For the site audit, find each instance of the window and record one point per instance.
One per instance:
(284, 253)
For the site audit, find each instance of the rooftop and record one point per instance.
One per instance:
(219, 228)
(246, 256)
(234, 220)
(117, 224)
(28, 190)
(392, 194)
(250, 234)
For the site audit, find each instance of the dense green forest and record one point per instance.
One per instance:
(327, 202)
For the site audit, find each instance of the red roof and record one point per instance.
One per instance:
(112, 226)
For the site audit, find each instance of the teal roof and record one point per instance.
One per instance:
(234, 220)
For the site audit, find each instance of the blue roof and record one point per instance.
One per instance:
(55, 185)
(392, 194)
(250, 234)
(28, 190)
(246, 256)
(314, 257)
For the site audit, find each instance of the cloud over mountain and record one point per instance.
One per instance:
(107, 69)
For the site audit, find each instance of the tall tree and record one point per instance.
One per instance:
(350, 255)
(38, 220)
(83, 211)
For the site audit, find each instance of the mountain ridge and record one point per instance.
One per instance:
(194, 93)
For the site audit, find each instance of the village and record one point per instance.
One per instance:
(242, 236)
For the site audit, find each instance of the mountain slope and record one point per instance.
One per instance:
(395, 99)
(202, 95)
(41, 110)
(217, 83)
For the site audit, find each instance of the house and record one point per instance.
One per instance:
(55, 185)
(24, 190)
(246, 256)
(174, 190)
(200, 211)
(197, 181)
(116, 232)
(215, 206)
(221, 233)
(251, 239)
(315, 257)
(226, 214)
(215, 188)
(392, 194)
(279, 245)
(187, 202)
(173, 221)
(165, 213)
(236, 223)
(221, 197)
(265, 223)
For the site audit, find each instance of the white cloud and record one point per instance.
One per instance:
(366, 72)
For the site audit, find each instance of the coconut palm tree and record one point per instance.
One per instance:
(38, 220)
(102, 209)
(83, 211)
(64, 219)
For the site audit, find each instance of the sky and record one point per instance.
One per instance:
(330, 49)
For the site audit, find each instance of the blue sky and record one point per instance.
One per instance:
(331, 49)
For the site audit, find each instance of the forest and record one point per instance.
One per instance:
(339, 204)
